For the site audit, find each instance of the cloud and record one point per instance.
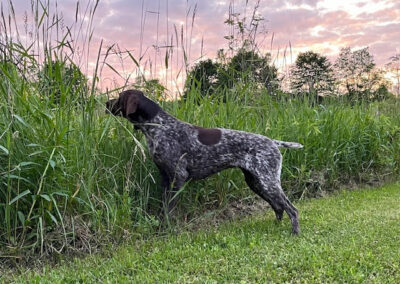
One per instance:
(324, 26)
(304, 24)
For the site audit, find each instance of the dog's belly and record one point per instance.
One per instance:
(205, 172)
(199, 169)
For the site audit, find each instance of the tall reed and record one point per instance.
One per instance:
(62, 178)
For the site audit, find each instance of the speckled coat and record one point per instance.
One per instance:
(183, 151)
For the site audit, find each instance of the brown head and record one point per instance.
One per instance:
(133, 105)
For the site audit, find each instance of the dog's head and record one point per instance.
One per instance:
(134, 106)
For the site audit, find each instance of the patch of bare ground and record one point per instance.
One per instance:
(234, 210)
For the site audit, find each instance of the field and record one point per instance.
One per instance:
(74, 180)
(350, 237)
(75, 167)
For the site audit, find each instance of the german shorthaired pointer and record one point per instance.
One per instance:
(183, 151)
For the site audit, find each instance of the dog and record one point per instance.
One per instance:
(183, 152)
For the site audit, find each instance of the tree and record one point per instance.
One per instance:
(249, 66)
(204, 75)
(243, 62)
(358, 76)
(394, 69)
(376, 86)
(354, 71)
(244, 66)
(312, 73)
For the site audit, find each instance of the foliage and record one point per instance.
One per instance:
(152, 88)
(358, 76)
(242, 64)
(58, 163)
(204, 76)
(249, 66)
(72, 176)
(58, 79)
(312, 73)
(246, 66)
(244, 31)
(394, 69)
(351, 237)
(62, 163)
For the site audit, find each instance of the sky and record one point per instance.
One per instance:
(153, 30)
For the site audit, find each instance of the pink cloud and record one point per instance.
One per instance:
(303, 23)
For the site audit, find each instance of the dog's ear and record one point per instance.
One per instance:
(131, 104)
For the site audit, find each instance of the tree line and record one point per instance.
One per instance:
(353, 74)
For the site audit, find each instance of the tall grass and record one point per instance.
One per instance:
(344, 143)
(71, 176)
(62, 178)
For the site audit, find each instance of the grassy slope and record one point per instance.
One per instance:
(352, 236)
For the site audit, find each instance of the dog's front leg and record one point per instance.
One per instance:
(171, 182)
(173, 192)
(165, 186)
(170, 187)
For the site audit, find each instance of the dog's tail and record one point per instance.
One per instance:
(284, 144)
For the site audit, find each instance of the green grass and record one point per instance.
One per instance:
(68, 168)
(73, 178)
(349, 237)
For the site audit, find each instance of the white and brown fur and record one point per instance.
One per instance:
(183, 152)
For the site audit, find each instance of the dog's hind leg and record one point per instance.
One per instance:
(271, 191)
(274, 192)
(256, 185)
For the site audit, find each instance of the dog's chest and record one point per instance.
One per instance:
(154, 146)
(166, 142)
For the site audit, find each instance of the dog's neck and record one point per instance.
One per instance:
(149, 127)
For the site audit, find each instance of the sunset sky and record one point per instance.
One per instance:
(323, 26)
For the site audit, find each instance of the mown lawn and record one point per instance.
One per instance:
(352, 236)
